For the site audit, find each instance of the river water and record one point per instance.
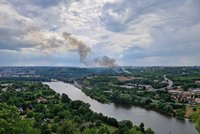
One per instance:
(160, 123)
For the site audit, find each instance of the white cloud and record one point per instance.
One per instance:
(114, 27)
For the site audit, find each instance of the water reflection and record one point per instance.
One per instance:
(122, 106)
(160, 123)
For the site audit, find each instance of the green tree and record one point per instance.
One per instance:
(194, 109)
(68, 127)
(39, 108)
(142, 127)
(147, 101)
(45, 129)
(103, 130)
(168, 108)
(54, 127)
(11, 123)
(149, 131)
(98, 123)
(90, 131)
(65, 98)
(134, 131)
(30, 114)
(125, 123)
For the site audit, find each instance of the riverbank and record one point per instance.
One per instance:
(106, 101)
(139, 98)
(193, 113)
(38, 109)
(158, 122)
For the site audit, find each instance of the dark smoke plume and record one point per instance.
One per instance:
(84, 51)
(81, 48)
(105, 61)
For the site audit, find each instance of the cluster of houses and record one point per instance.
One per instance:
(16, 72)
(191, 96)
(4, 87)
(40, 99)
(139, 86)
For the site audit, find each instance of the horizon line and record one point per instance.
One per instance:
(103, 66)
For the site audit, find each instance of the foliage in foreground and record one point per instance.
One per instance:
(22, 113)
(11, 122)
(195, 117)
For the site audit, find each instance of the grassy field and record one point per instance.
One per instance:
(192, 110)
(193, 113)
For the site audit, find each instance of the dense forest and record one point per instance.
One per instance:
(35, 109)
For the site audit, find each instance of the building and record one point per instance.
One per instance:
(41, 100)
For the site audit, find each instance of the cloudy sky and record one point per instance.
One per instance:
(133, 32)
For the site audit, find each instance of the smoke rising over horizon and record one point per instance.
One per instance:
(84, 51)
(79, 46)
(99, 33)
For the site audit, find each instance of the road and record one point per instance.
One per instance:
(170, 82)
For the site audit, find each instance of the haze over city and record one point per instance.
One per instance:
(99, 33)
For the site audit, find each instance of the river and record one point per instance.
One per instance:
(160, 123)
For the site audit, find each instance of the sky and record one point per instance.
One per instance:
(99, 32)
